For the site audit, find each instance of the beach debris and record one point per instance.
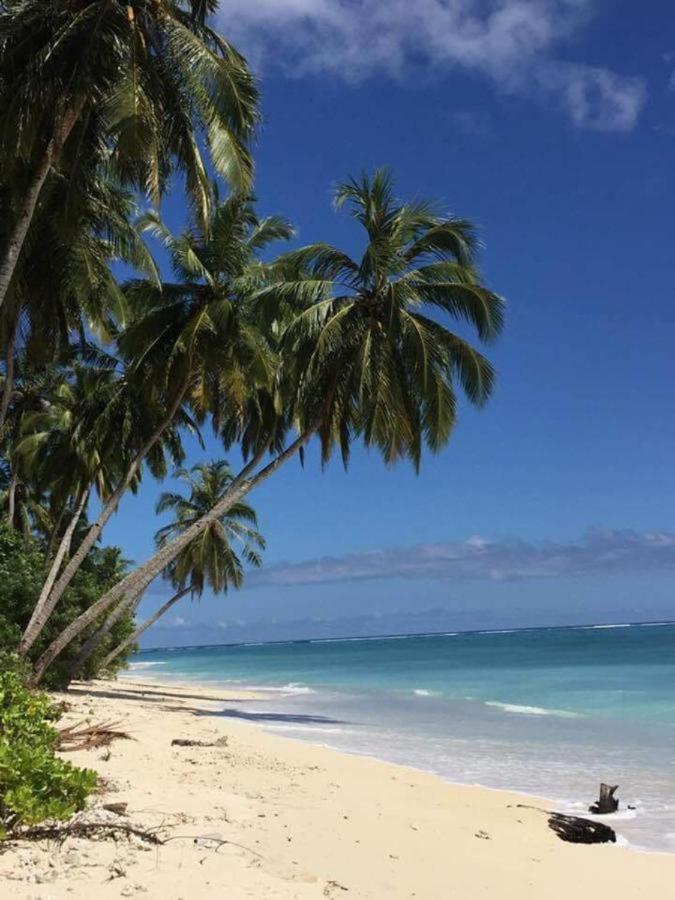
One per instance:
(606, 802)
(91, 830)
(576, 830)
(120, 809)
(483, 835)
(89, 737)
(188, 742)
(331, 886)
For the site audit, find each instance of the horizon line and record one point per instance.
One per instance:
(412, 634)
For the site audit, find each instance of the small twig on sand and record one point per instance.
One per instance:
(211, 840)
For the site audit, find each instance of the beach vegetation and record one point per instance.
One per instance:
(35, 784)
(22, 568)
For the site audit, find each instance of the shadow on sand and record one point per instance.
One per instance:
(142, 694)
(288, 718)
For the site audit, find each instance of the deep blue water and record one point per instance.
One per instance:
(544, 711)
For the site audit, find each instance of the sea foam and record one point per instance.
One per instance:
(532, 710)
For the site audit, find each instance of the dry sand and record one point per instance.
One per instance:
(301, 822)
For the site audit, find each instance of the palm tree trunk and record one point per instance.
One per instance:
(128, 605)
(95, 530)
(144, 627)
(62, 128)
(11, 497)
(36, 620)
(138, 580)
(8, 386)
(49, 553)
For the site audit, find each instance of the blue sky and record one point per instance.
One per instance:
(551, 124)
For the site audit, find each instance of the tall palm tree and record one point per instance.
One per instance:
(363, 350)
(142, 78)
(100, 428)
(213, 559)
(58, 448)
(195, 341)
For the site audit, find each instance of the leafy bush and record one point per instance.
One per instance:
(34, 783)
(22, 572)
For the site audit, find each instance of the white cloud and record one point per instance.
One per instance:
(599, 552)
(511, 42)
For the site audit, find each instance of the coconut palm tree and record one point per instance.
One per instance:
(192, 342)
(212, 559)
(143, 79)
(63, 288)
(363, 351)
(22, 505)
(97, 430)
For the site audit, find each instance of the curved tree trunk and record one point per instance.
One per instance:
(144, 627)
(127, 606)
(110, 506)
(33, 628)
(140, 578)
(62, 128)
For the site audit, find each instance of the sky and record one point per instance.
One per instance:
(551, 125)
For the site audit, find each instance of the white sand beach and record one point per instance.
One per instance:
(257, 815)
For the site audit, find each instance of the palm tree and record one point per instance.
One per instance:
(98, 429)
(63, 287)
(211, 559)
(22, 505)
(193, 342)
(143, 79)
(56, 446)
(362, 353)
(22, 498)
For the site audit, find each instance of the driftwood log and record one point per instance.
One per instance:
(188, 742)
(575, 830)
(606, 802)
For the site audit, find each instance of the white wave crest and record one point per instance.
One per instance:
(420, 692)
(145, 665)
(293, 687)
(532, 710)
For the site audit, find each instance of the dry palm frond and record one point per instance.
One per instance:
(89, 737)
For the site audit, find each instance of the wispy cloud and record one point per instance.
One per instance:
(513, 43)
(599, 552)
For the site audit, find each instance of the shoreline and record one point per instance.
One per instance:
(248, 692)
(300, 820)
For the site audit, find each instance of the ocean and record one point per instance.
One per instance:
(549, 712)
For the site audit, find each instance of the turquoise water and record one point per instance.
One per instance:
(544, 711)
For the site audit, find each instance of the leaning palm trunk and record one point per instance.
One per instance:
(33, 628)
(51, 155)
(144, 627)
(138, 580)
(11, 497)
(126, 607)
(110, 506)
(8, 386)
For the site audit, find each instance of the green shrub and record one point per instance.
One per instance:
(22, 572)
(34, 783)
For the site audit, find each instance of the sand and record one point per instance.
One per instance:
(300, 821)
